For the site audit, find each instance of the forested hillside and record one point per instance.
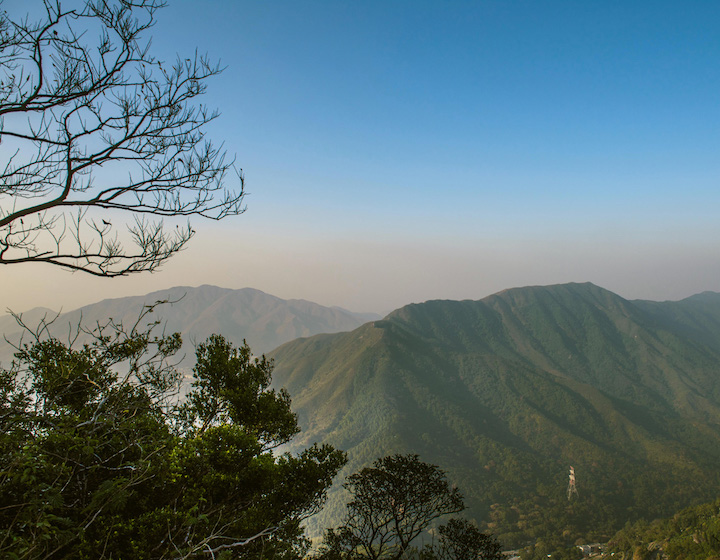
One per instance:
(507, 393)
(690, 534)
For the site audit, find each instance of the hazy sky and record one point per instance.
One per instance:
(399, 151)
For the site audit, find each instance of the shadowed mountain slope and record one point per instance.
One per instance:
(507, 392)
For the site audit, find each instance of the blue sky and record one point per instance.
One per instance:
(401, 151)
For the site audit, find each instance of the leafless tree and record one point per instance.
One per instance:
(92, 124)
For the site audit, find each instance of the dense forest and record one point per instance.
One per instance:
(508, 392)
(691, 534)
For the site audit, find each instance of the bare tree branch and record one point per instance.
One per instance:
(82, 105)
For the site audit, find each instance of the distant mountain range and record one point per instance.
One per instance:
(505, 393)
(508, 392)
(265, 321)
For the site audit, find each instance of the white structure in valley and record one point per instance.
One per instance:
(571, 485)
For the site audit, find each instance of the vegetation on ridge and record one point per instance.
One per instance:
(506, 393)
(691, 534)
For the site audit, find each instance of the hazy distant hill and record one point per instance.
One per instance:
(507, 392)
(8, 324)
(264, 320)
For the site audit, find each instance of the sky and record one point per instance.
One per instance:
(399, 151)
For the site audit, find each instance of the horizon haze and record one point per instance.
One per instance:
(397, 152)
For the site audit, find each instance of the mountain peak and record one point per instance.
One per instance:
(506, 392)
(264, 320)
(704, 297)
(576, 289)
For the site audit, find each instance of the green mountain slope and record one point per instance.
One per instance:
(507, 392)
(691, 534)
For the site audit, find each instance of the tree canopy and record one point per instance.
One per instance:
(392, 503)
(93, 127)
(691, 534)
(99, 459)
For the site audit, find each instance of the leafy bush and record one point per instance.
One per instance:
(99, 458)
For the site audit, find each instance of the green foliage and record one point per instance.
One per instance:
(392, 504)
(231, 386)
(461, 540)
(95, 463)
(691, 534)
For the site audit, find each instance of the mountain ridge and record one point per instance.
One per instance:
(264, 320)
(507, 391)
